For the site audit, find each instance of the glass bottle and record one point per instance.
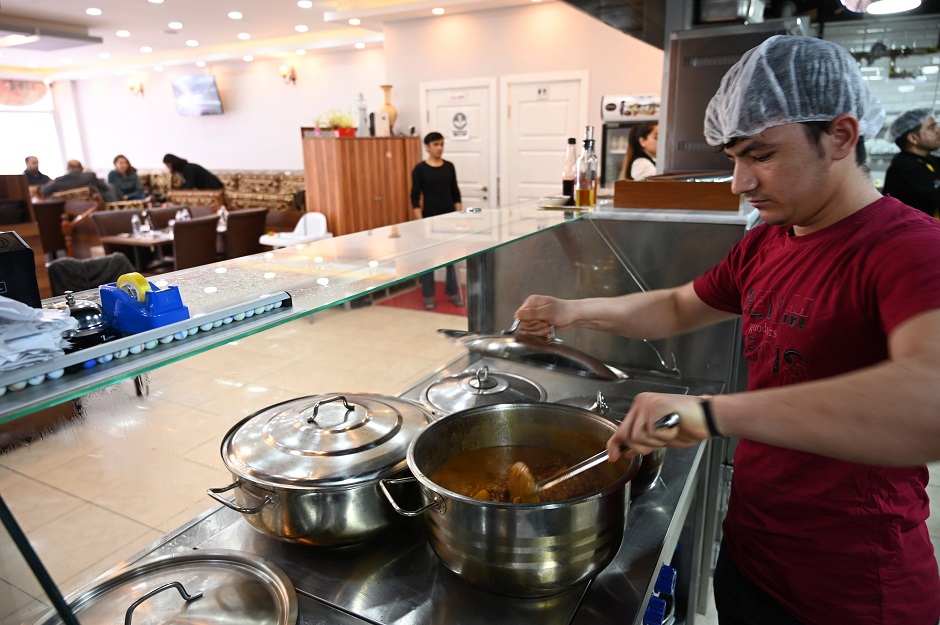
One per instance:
(569, 170)
(585, 185)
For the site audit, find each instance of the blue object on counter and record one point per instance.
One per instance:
(160, 307)
(666, 581)
(655, 612)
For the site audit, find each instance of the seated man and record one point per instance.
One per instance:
(78, 177)
(33, 175)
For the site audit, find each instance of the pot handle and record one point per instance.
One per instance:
(436, 501)
(178, 586)
(215, 494)
(316, 408)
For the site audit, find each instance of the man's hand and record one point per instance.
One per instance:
(636, 430)
(539, 312)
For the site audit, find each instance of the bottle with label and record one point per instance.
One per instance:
(569, 172)
(585, 184)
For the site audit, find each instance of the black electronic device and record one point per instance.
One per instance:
(18, 270)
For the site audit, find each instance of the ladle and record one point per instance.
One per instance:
(524, 489)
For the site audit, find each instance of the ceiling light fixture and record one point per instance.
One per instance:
(17, 40)
(354, 21)
(92, 11)
(156, 1)
(146, 49)
(192, 43)
(123, 33)
(288, 74)
(235, 15)
(880, 7)
(301, 28)
(360, 45)
(305, 4)
(104, 55)
(158, 68)
(244, 36)
(300, 52)
(437, 11)
(200, 63)
(248, 58)
(175, 25)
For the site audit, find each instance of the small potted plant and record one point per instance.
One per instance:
(337, 122)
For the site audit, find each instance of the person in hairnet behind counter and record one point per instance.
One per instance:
(839, 294)
(914, 174)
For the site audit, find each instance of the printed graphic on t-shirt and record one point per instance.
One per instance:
(771, 319)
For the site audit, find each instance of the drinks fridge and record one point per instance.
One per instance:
(620, 114)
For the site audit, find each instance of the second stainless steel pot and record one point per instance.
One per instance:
(308, 470)
(526, 550)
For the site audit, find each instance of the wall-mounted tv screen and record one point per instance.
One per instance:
(196, 95)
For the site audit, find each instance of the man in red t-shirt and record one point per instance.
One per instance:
(839, 298)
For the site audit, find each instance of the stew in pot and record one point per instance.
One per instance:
(482, 473)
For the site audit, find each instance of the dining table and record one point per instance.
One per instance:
(154, 239)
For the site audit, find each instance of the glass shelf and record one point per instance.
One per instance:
(240, 297)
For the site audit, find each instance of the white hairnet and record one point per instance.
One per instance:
(790, 79)
(908, 121)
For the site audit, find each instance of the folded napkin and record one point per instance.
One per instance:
(31, 335)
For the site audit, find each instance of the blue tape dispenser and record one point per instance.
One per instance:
(132, 304)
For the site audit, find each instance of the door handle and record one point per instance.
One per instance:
(484, 189)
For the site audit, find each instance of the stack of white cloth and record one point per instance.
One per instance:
(31, 335)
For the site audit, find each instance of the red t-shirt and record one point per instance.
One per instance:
(833, 541)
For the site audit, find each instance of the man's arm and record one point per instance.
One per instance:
(416, 189)
(455, 190)
(648, 315)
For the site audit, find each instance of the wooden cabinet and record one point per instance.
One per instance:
(360, 183)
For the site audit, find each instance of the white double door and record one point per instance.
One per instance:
(506, 139)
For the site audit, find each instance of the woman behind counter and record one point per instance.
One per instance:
(640, 161)
(124, 177)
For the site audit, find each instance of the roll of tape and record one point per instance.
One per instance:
(134, 285)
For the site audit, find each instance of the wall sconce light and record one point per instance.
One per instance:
(288, 74)
(136, 87)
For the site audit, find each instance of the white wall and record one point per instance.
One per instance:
(260, 128)
(520, 40)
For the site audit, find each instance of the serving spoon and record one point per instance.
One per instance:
(524, 489)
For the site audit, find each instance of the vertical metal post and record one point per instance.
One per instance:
(39, 570)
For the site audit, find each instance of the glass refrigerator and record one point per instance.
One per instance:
(620, 114)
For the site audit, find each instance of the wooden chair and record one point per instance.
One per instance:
(78, 230)
(80, 194)
(194, 242)
(48, 215)
(243, 229)
(162, 215)
(119, 222)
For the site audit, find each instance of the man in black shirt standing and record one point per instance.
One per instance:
(914, 174)
(436, 180)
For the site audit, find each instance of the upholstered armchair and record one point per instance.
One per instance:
(191, 197)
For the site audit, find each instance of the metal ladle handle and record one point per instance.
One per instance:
(670, 420)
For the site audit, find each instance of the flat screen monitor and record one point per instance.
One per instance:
(196, 95)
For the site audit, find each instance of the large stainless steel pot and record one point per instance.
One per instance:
(307, 470)
(525, 550)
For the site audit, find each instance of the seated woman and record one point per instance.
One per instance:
(194, 176)
(640, 161)
(124, 177)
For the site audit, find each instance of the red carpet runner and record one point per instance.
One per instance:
(413, 300)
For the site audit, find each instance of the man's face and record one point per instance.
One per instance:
(783, 174)
(435, 148)
(928, 135)
(32, 163)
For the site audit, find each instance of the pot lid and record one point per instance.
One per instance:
(552, 354)
(481, 387)
(223, 586)
(324, 440)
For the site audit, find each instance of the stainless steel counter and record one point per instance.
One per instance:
(398, 578)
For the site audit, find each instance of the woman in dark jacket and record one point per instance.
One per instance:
(194, 176)
(124, 177)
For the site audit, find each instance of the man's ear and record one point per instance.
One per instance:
(843, 136)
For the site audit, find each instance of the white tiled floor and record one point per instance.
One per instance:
(132, 469)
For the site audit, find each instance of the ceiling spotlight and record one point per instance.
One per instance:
(235, 15)
(104, 55)
(244, 36)
(354, 21)
(175, 25)
(192, 43)
(156, 1)
(360, 45)
(305, 4)
(248, 58)
(300, 52)
(300, 28)
(146, 49)
(92, 11)
(437, 11)
(66, 60)
(123, 33)
(158, 68)
(33, 65)
(200, 63)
